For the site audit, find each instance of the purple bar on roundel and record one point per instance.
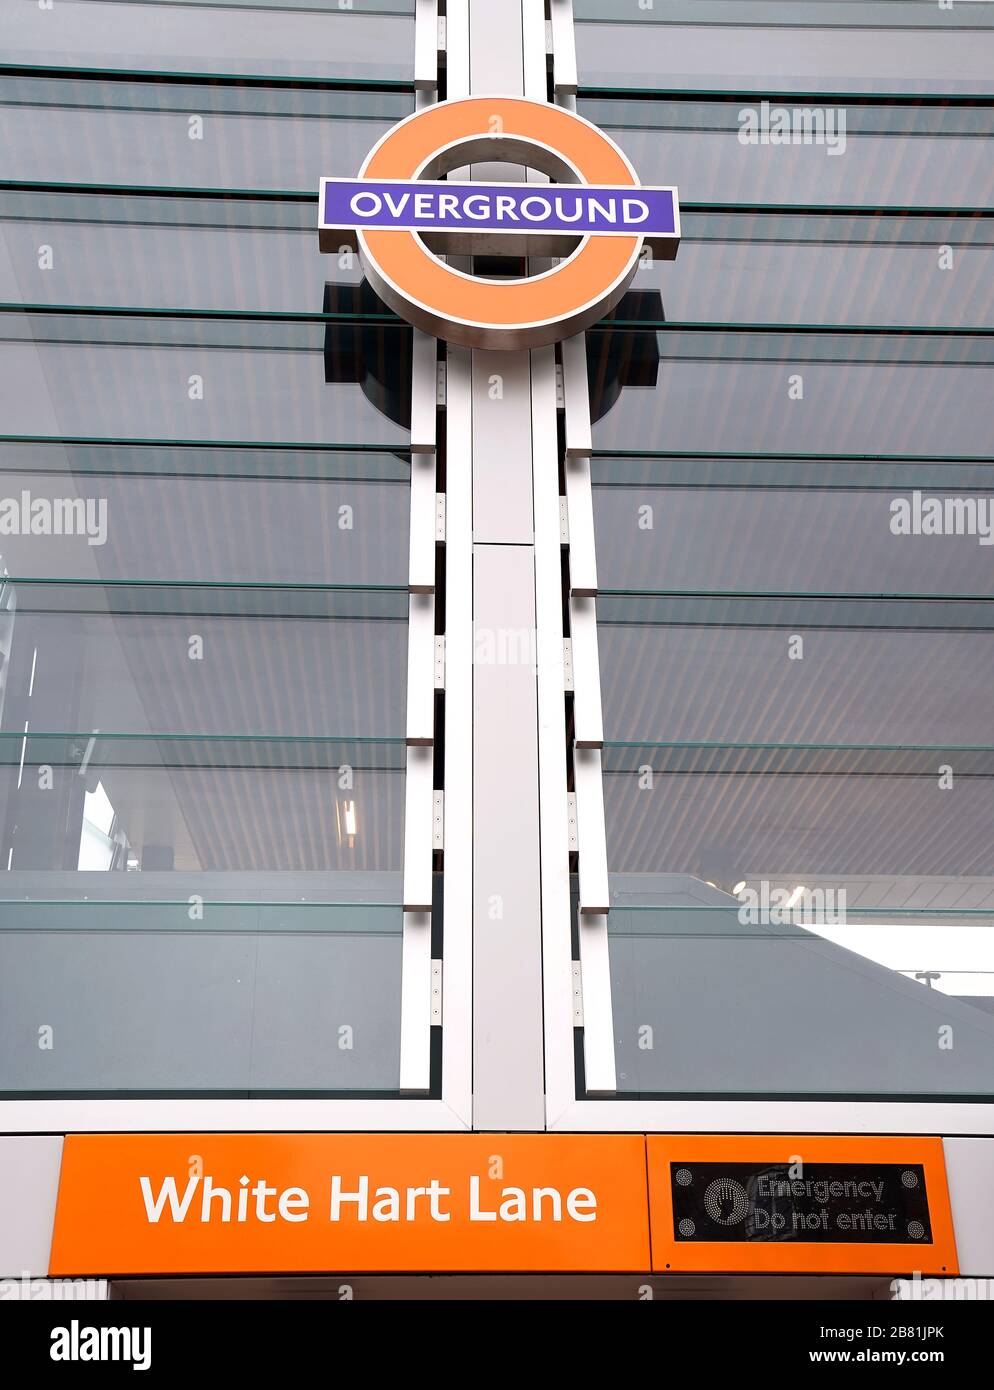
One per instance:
(573, 209)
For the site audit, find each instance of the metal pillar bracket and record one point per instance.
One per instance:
(577, 994)
(436, 992)
(574, 838)
(440, 663)
(567, 664)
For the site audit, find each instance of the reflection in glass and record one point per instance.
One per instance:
(896, 156)
(825, 268)
(765, 49)
(276, 39)
(789, 526)
(86, 130)
(200, 997)
(217, 380)
(795, 393)
(750, 671)
(144, 250)
(837, 896)
(229, 661)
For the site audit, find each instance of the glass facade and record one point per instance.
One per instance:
(792, 489)
(210, 515)
(206, 479)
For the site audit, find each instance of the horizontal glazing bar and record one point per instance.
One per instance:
(197, 458)
(143, 915)
(647, 610)
(886, 759)
(151, 750)
(44, 594)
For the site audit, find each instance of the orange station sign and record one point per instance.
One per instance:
(301, 1203)
(146, 1204)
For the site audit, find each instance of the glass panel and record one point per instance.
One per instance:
(784, 525)
(146, 251)
(144, 378)
(812, 671)
(251, 998)
(299, 41)
(928, 272)
(256, 255)
(328, 6)
(726, 811)
(70, 129)
(200, 804)
(831, 54)
(892, 156)
(833, 905)
(733, 392)
(182, 515)
(201, 660)
(854, 14)
(891, 1004)
(203, 676)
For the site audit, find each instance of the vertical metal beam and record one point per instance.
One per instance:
(508, 1078)
(592, 927)
(426, 45)
(502, 449)
(457, 48)
(416, 985)
(534, 45)
(415, 1005)
(419, 983)
(457, 880)
(508, 1090)
(496, 48)
(415, 989)
(557, 950)
(587, 719)
(591, 839)
(424, 385)
(424, 524)
(563, 48)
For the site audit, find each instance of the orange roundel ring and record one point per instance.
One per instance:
(525, 312)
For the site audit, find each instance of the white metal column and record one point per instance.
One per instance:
(490, 446)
